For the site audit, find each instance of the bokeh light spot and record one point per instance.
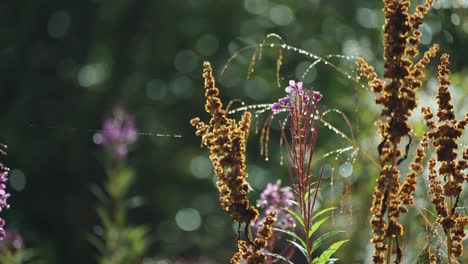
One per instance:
(181, 86)
(200, 167)
(188, 219)
(426, 34)
(367, 18)
(186, 61)
(455, 19)
(59, 23)
(346, 169)
(257, 88)
(256, 6)
(465, 26)
(207, 45)
(281, 15)
(17, 180)
(204, 203)
(92, 74)
(156, 89)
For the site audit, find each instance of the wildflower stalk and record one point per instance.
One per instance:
(226, 140)
(397, 95)
(445, 135)
(119, 243)
(449, 236)
(4, 172)
(300, 138)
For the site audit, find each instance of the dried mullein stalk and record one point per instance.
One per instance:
(396, 93)
(226, 140)
(446, 182)
(254, 253)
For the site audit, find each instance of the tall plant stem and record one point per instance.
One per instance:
(390, 239)
(389, 250)
(449, 238)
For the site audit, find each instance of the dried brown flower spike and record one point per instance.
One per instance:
(226, 141)
(255, 253)
(398, 99)
(444, 135)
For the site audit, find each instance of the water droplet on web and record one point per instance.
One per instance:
(346, 169)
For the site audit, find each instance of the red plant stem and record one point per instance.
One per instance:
(303, 130)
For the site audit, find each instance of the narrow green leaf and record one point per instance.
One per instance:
(316, 225)
(291, 233)
(96, 242)
(318, 242)
(422, 256)
(104, 217)
(301, 248)
(296, 216)
(329, 252)
(277, 256)
(321, 212)
(312, 191)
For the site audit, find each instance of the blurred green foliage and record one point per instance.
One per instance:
(65, 64)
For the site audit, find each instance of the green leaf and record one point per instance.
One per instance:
(296, 216)
(318, 242)
(291, 233)
(422, 256)
(301, 248)
(329, 252)
(119, 182)
(96, 242)
(316, 225)
(312, 191)
(279, 257)
(104, 217)
(321, 212)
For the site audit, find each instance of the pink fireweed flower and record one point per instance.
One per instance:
(118, 132)
(276, 198)
(275, 107)
(4, 171)
(285, 101)
(317, 96)
(295, 92)
(294, 88)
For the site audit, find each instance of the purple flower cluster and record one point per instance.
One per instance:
(295, 90)
(12, 239)
(4, 171)
(276, 198)
(118, 132)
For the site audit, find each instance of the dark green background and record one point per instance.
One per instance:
(65, 64)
